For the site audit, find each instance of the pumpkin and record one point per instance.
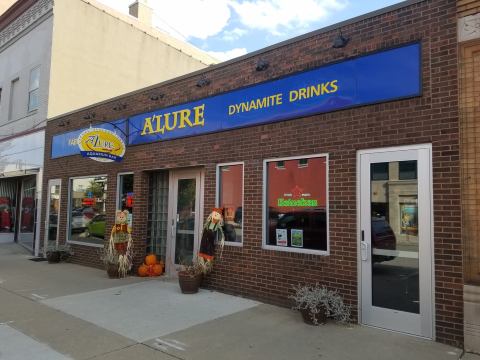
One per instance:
(151, 259)
(157, 269)
(150, 270)
(142, 270)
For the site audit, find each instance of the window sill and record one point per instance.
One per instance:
(84, 243)
(296, 250)
(234, 244)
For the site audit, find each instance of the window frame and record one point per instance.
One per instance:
(14, 82)
(67, 235)
(117, 200)
(217, 195)
(32, 90)
(265, 246)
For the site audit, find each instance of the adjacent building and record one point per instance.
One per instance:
(59, 56)
(335, 159)
(469, 122)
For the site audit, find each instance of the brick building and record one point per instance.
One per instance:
(336, 162)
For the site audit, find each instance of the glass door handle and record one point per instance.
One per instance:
(364, 250)
(173, 227)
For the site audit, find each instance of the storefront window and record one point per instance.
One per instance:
(27, 222)
(296, 198)
(230, 198)
(87, 209)
(125, 194)
(8, 195)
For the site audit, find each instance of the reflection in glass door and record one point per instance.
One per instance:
(396, 254)
(53, 212)
(8, 209)
(184, 216)
(27, 213)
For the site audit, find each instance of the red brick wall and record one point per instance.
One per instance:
(269, 275)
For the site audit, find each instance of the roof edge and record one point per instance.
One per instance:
(14, 11)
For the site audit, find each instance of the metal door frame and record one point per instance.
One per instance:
(52, 182)
(174, 176)
(426, 319)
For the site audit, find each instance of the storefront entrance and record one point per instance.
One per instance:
(175, 216)
(395, 217)
(18, 206)
(183, 217)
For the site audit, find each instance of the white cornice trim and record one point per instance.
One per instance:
(25, 22)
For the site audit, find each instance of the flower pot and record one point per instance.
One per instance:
(112, 271)
(53, 257)
(189, 284)
(308, 318)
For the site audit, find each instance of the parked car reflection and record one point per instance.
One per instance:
(383, 238)
(79, 221)
(313, 222)
(96, 227)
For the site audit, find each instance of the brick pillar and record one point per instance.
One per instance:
(140, 217)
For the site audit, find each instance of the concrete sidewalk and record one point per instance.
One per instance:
(65, 311)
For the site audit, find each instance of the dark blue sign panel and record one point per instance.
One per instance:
(379, 77)
(66, 144)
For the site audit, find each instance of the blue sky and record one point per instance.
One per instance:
(230, 28)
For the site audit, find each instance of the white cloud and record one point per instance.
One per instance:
(184, 18)
(203, 19)
(273, 15)
(229, 54)
(232, 35)
(192, 18)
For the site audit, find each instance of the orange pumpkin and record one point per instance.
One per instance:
(150, 270)
(151, 259)
(162, 264)
(142, 270)
(157, 269)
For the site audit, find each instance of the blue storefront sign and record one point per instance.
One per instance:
(67, 144)
(383, 76)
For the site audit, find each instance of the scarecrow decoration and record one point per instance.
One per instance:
(120, 243)
(212, 230)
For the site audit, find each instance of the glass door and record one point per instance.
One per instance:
(53, 212)
(8, 209)
(27, 213)
(396, 239)
(185, 209)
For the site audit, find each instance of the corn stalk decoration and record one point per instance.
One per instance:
(119, 249)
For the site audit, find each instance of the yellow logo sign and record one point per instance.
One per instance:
(101, 145)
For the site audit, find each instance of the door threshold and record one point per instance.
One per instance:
(398, 332)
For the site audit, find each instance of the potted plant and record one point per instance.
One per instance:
(317, 303)
(191, 275)
(111, 264)
(56, 253)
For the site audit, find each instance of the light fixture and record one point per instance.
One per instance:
(340, 41)
(156, 96)
(89, 115)
(262, 65)
(202, 82)
(63, 123)
(120, 106)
